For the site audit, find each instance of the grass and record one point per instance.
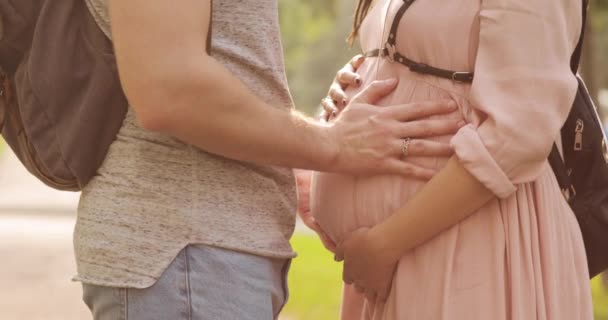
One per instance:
(316, 289)
(600, 298)
(314, 281)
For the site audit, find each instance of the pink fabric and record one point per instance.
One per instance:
(521, 256)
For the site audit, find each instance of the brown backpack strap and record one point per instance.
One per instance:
(5, 97)
(209, 33)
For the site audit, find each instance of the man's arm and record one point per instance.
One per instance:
(175, 87)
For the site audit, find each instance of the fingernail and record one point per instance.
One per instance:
(390, 81)
(462, 123)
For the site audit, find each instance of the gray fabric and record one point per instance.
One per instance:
(201, 283)
(154, 195)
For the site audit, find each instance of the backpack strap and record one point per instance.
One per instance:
(555, 159)
(209, 32)
(576, 56)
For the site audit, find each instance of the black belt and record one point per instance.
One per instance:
(421, 67)
(390, 52)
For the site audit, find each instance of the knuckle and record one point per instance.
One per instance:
(333, 90)
(327, 106)
(425, 128)
(408, 170)
(417, 147)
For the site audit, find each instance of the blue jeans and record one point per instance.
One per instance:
(201, 283)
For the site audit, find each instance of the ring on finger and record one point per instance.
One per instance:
(405, 148)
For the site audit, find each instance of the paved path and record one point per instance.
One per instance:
(37, 263)
(20, 191)
(36, 268)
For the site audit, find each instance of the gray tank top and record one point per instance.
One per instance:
(154, 194)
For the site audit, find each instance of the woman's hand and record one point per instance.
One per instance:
(303, 184)
(336, 99)
(419, 127)
(367, 264)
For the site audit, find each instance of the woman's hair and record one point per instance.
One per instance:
(361, 11)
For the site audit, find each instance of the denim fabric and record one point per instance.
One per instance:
(202, 283)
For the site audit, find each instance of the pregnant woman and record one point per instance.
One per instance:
(490, 235)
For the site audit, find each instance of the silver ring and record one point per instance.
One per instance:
(406, 146)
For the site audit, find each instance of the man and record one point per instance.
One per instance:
(191, 213)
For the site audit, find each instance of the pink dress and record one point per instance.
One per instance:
(521, 256)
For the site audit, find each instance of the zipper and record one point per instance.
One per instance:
(578, 135)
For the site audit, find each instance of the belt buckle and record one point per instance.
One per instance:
(569, 193)
(391, 50)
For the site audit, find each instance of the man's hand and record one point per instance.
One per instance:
(366, 264)
(370, 139)
(303, 183)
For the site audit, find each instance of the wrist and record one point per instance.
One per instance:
(384, 243)
(329, 148)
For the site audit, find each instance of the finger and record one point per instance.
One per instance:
(348, 78)
(309, 221)
(339, 256)
(376, 91)
(347, 278)
(407, 169)
(359, 289)
(357, 61)
(327, 242)
(417, 110)
(428, 128)
(336, 93)
(424, 148)
(329, 107)
(383, 294)
(370, 295)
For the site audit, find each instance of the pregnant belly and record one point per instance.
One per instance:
(343, 203)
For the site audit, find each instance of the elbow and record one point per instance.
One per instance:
(161, 90)
(161, 102)
(154, 119)
(151, 110)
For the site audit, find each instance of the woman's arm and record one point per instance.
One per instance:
(452, 195)
(523, 91)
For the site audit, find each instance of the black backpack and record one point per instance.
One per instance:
(583, 172)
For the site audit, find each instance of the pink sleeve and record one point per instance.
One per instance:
(523, 89)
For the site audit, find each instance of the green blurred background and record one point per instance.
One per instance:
(314, 33)
(314, 39)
